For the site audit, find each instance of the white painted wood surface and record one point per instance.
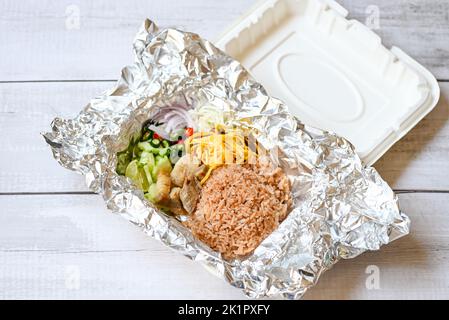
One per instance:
(70, 246)
(41, 36)
(56, 242)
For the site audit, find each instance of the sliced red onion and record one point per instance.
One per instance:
(172, 119)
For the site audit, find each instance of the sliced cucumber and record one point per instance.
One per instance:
(144, 159)
(152, 193)
(145, 146)
(164, 152)
(156, 143)
(147, 158)
(137, 175)
(147, 169)
(162, 164)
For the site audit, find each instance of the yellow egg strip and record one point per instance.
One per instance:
(218, 148)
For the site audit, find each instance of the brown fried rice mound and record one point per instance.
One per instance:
(240, 205)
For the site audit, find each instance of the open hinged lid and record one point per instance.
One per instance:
(333, 73)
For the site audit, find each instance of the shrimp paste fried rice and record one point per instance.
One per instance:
(240, 205)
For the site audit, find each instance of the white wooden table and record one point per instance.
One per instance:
(57, 240)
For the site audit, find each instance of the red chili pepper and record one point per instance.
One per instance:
(189, 132)
(156, 136)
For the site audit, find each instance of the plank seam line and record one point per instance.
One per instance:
(55, 81)
(72, 252)
(47, 193)
(92, 80)
(406, 191)
(62, 193)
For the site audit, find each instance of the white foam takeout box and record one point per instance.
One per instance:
(333, 73)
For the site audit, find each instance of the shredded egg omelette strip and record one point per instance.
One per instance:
(215, 149)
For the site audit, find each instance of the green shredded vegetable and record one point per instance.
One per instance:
(146, 155)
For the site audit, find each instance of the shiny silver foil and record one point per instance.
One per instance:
(341, 208)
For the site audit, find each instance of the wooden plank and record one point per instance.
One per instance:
(409, 25)
(26, 111)
(72, 247)
(419, 161)
(41, 40)
(47, 243)
(414, 267)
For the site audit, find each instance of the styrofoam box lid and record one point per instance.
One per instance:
(333, 73)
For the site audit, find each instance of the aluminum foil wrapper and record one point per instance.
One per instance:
(341, 208)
